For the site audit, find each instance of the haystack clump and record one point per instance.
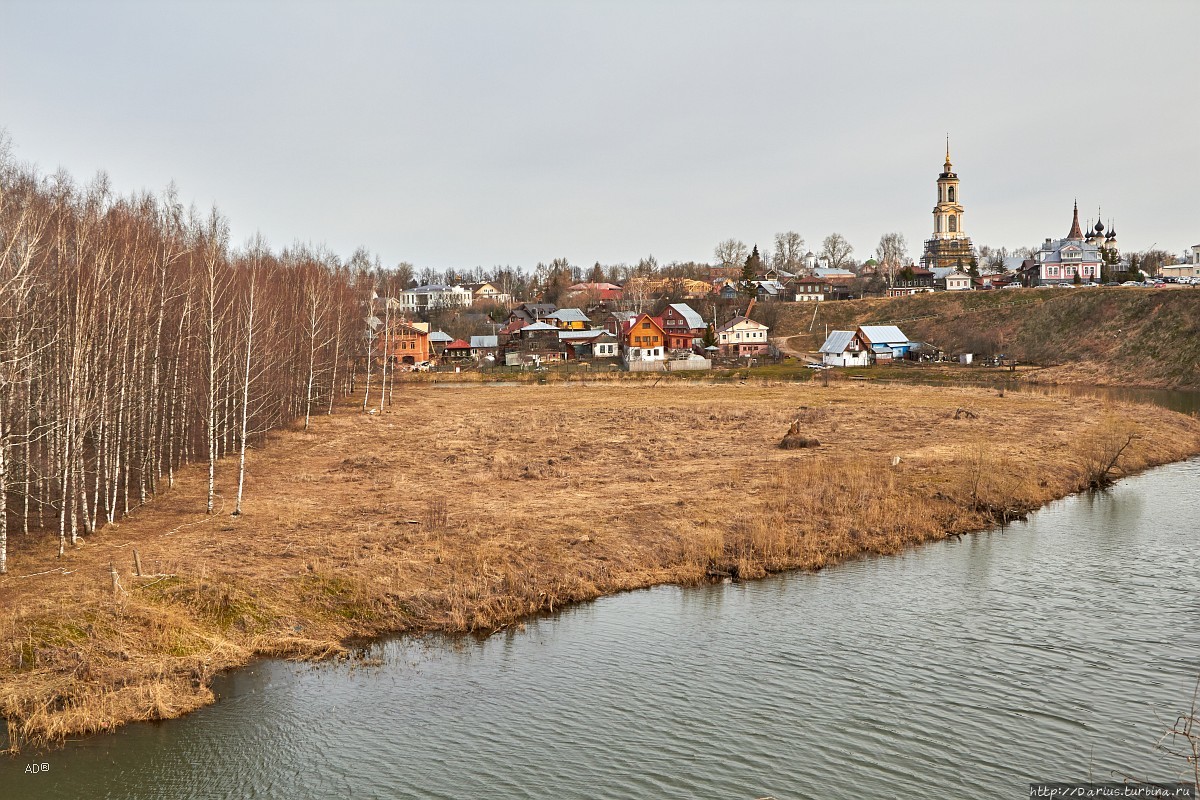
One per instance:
(795, 440)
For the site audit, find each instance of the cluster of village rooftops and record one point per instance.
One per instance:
(537, 334)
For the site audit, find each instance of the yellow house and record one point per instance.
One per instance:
(568, 319)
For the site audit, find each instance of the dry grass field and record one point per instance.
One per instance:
(465, 509)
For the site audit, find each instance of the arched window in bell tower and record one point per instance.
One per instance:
(953, 224)
(951, 190)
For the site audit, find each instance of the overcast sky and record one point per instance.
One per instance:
(456, 134)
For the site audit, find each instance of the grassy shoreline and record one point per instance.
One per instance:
(464, 510)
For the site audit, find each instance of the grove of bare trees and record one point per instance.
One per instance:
(134, 338)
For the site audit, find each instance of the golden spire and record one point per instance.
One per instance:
(948, 152)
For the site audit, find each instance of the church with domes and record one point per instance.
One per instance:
(1077, 257)
(1106, 242)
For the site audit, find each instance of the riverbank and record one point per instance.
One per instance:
(466, 509)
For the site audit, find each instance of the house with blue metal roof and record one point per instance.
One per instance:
(886, 342)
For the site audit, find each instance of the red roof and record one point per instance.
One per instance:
(513, 326)
(628, 325)
(458, 344)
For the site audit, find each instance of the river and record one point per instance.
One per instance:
(1059, 648)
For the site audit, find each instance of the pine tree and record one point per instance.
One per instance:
(750, 271)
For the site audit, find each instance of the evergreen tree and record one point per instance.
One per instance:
(750, 271)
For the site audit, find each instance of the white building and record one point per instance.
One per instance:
(421, 299)
(957, 281)
(742, 336)
(1189, 267)
(843, 349)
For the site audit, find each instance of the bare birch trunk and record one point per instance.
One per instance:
(237, 508)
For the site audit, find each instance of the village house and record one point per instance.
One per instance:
(483, 346)
(644, 339)
(682, 325)
(811, 289)
(911, 280)
(844, 349)
(531, 312)
(742, 336)
(597, 292)
(885, 342)
(773, 274)
(616, 321)
(868, 344)
(485, 292)
(457, 350)
(536, 343)
(769, 290)
(956, 281)
(438, 341)
(595, 343)
(568, 319)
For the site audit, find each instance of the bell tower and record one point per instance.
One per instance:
(950, 245)
(948, 213)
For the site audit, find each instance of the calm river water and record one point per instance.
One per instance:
(1056, 649)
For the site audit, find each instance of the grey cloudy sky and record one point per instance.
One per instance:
(455, 134)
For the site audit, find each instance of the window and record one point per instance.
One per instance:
(951, 193)
(938, 226)
(953, 224)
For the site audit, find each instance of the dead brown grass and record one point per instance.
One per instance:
(466, 509)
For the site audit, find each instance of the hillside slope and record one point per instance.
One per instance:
(1134, 336)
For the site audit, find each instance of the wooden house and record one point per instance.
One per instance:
(438, 341)
(568, 319)
(594, 343)
(531, 312)
(457, 350)
(682, 325)
(537, 342)
(484, 346)
(615, 322)
(643, 339)
(486, 292)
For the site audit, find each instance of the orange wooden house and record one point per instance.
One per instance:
(644, 338)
